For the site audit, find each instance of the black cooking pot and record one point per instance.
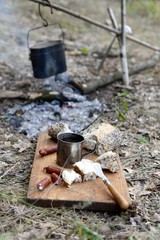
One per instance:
(48, 58)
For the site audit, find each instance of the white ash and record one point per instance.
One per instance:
(70, 177)
(38, 117)
(85, 167)
(108, 161)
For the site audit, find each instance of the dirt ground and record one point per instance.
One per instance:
(140, 148)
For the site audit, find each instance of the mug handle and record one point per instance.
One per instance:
(91, 151)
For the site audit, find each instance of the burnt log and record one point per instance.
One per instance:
(32, 96)
(102, 81)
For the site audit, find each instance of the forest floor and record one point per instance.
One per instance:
(140, 148)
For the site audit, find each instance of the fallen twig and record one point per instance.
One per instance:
(141, 169)
(32, 96)
(9, 170)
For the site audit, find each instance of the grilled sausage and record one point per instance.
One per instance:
(49, 150)
(43, 183)
(52, 169)
(56, 179)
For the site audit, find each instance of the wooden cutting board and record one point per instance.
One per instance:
(95, 193)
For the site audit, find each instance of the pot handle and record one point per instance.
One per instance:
(36, 28)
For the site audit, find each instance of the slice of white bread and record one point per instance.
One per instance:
(85, 168)
(108, 161)
(70, 177)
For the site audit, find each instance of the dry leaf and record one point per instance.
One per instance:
(155, 153)
(144, 193)
(7, 143)
(21, 150)
(22, 144)
(157, 174)
(126, 153)
(150, 186)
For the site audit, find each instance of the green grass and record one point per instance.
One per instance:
(149, 8)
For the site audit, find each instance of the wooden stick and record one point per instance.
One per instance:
(98, 24)
(106, 54)
(77, 15)
(124, 63)
(113, 19)
(114, 23)
(121, 40)
(4, 174)
(94, 84)
(133, 39)
(32, 96)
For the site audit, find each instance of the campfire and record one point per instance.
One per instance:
(34, 118)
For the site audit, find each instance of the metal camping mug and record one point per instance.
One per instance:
(70, 147)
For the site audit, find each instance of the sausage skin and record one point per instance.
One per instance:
(56, 179)
(46, 151)
(43, 183)
(52, 169)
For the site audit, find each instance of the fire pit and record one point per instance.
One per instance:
(33, 118)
